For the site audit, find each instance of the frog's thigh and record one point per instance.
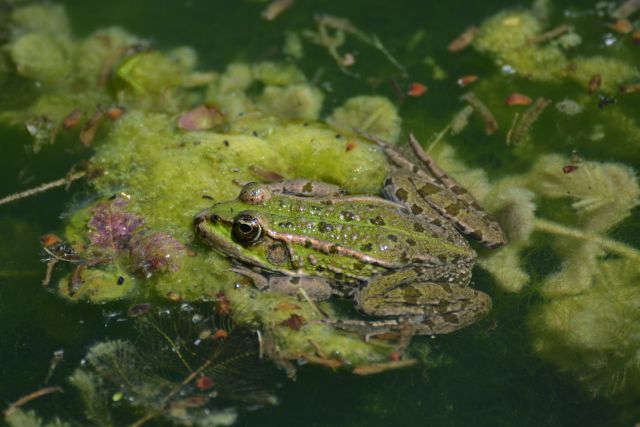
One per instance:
(439, 307)
(316, 288)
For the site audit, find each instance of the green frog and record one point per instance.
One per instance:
(402, 258)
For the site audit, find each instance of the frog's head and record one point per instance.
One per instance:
(237, 229)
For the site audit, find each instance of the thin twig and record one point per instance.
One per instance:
(42, 188)
(29, 397)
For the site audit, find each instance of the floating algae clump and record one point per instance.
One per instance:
(172, 140)
(515, 40)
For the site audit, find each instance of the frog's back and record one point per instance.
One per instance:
(358, 236)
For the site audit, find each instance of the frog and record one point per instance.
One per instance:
(403, 258)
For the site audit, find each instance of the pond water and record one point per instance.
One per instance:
(516, 366)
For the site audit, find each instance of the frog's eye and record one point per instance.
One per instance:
(246, 229)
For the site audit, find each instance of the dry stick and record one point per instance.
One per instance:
(29, 397)
(550, 35)
(612, 245)
(490, 122)
(44, 187)
(627, 9)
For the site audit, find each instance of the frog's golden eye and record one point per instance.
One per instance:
(246, 229)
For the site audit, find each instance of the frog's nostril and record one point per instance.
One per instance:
(214, 218)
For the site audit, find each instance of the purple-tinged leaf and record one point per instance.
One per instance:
(156, 252)
(200, 118)
(112, 228)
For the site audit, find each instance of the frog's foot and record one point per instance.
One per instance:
(315, 288)
(433, 308)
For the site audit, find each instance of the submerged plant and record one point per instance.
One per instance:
(186, 364)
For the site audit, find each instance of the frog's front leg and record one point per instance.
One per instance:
(435, 300)
(316, 288)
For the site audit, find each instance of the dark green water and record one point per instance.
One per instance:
(491, 375)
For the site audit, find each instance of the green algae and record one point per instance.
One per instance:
(508, 37)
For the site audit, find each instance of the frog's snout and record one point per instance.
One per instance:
(203, 217)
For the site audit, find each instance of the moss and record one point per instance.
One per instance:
(373, 114)
(41, 57)
(151, 72)
(297, 102)
(506, 37)
(43, 18)
(594, 334)
(277, 74)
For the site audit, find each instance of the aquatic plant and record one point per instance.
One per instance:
(186, 364)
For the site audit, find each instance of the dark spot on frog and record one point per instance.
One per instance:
(226, 142)
(367, 247)
(348, 216)
(323, 227)
(277, 254)
(206, 196)
(416, 210)
(308, 243)
(411, 242)
(428, 189)
(120, 280)
(327, 202)
(402, 194)
(476, 234)
(333, 249)
(377, 220)
(294, 280)
(338, 136)
(451, 318)
(453, 209)
(411, 295)
(307, 188)
(305, 124)
(254, 133)
(393, 237)
(404, 257)
(418, 227)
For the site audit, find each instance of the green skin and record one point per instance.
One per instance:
(401, 258)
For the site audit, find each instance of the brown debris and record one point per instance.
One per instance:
(50, 240)
(72, 119)
(594, 83)
(138, 309)
(88, 133)
(467, 80)
(295, 322)
(285, 306)
(223, 306)
(417, 89)
(528, 118)
(220, 333)
(622, 26)
(550, 35)
(630, 88)
(275, 8)
(174, 296)
(115, 112)
(490, 122)
(463, 40)
(350, 145)
(626, 9)
(518, 99)
(569, 168)
(377, 368)
(204, 383)
(266, 175)
(636, 36)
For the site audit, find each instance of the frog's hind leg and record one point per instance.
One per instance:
(434, 300)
